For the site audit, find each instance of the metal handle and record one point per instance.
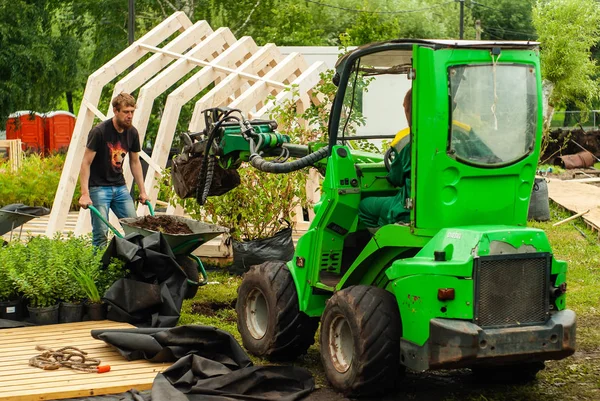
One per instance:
(147, 203)
(112, 228)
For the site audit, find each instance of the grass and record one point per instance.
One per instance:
(574, 378)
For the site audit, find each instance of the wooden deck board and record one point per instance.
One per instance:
(21, 382)
(577, 197)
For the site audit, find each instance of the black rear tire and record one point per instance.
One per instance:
(360, 341)
(268, 315)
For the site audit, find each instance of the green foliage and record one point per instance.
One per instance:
(255, 209)
(35, 278)
(8, 290)
(35, 183)
(310, 125)
(87, 284)
(293, 25)
(47, 270)
(37, 63)
(505, 19)
(436, 20)
(115, 270)
(223, 294)
(92, 277)
(567, 30)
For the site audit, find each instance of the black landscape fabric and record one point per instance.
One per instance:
(249, 253)
(153, 292)
(210, 365)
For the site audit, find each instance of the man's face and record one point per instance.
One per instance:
(124, 116)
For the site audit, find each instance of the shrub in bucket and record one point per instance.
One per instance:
(10, 302)
(36, 279)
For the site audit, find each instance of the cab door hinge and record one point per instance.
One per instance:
(408, 203)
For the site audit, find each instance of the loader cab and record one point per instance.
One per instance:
(476, 126)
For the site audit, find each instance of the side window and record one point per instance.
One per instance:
(373, 105)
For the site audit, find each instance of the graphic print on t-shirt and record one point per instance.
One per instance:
(117, 154)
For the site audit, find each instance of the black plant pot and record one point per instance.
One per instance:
(47, 315)
(96, 311)
(70, 313)
(11, 310)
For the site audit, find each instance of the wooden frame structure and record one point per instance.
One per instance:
(15, 152)
(243, 76)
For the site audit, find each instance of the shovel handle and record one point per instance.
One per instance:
(99, 215)
(150, 208)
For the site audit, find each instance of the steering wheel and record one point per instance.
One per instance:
(388, 159)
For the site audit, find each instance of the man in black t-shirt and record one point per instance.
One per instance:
(101, 176)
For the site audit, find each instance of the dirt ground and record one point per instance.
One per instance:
(164, 224)
(461, 385)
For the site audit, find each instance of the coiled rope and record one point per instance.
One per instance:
(69, 357)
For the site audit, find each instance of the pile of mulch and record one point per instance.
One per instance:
(164, 224)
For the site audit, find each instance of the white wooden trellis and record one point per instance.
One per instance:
(242, 73)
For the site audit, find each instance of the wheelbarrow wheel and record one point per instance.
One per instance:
(190, 268)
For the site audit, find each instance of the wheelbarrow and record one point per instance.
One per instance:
(11, 220)
(182, 245)
(14, 216)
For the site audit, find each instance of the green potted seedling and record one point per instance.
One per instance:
(87, 281)
(95, 279)
(70, 254)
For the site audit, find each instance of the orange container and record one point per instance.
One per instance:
(28, 126)
(59, 127)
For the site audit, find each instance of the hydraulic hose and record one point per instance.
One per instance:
(280, 168)
(209, 177)
(205, 175)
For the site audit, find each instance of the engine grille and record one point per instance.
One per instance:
(512, 289)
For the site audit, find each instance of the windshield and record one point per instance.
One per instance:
(373, 100)
(493, 113)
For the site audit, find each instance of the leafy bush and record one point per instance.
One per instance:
(33, 276)
(35, 183)
(47, 270)
(8, 290)
(255, 209)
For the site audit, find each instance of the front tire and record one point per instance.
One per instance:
(268, 315)
(360, 341)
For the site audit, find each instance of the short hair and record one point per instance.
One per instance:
(123, 100)
(408, 106)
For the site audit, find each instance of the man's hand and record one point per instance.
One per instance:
(143, 197)
(85, 201)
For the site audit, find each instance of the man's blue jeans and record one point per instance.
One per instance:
(104, 199)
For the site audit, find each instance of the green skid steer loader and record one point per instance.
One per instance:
(459, 280)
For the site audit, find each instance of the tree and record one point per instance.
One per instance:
(504, 19)
(37, 62)
(567, 30)
(401, 19)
